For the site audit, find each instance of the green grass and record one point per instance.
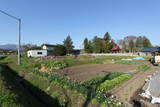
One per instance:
(11, 92)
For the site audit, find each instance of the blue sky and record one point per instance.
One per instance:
(50, 21)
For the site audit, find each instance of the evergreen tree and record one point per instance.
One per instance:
(90, 46)
(107, 37)
(108, 44)
(86, 45)
(68, 44)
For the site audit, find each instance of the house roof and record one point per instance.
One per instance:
(154, 49)
(48, 45)
(115, 48)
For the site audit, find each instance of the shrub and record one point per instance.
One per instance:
(109, 84)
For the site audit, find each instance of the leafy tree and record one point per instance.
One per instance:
(59, 50)
(131, 46)
(146, 42)
(98, 45)
(68, 44)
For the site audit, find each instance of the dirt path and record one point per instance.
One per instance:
(84, 72)
(127, 91)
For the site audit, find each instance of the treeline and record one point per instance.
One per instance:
(105, 44)
(99, 45)
(134, 43)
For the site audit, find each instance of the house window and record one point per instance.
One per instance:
(39, 53)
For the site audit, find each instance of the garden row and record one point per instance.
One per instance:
(90, 88)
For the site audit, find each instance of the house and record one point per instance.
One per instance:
(37, 53)
(49, 48)
(149, 51)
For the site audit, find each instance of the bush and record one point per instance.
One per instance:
(109, 84)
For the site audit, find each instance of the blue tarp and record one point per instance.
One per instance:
(139, 58)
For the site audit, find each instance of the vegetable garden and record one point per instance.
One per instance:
(66, 91)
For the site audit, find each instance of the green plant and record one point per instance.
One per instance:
(143, 67)
(125, 62)
(55, 65)
(93, 83)
(11, 91)
(109, 84)
(63, 81)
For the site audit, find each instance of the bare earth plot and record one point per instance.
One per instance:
(126, 92)
(84, 72)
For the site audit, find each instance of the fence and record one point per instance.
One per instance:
(111, 54)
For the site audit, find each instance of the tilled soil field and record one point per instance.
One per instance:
(84, 72)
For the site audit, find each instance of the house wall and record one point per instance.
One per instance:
(145, 54)
(37, 53)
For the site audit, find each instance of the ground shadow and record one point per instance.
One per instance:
(36, 94)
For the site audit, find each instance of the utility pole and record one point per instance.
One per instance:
(19, 34)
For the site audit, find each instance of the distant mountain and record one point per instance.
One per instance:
(8, 46)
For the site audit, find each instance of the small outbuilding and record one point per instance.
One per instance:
(37, 53)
